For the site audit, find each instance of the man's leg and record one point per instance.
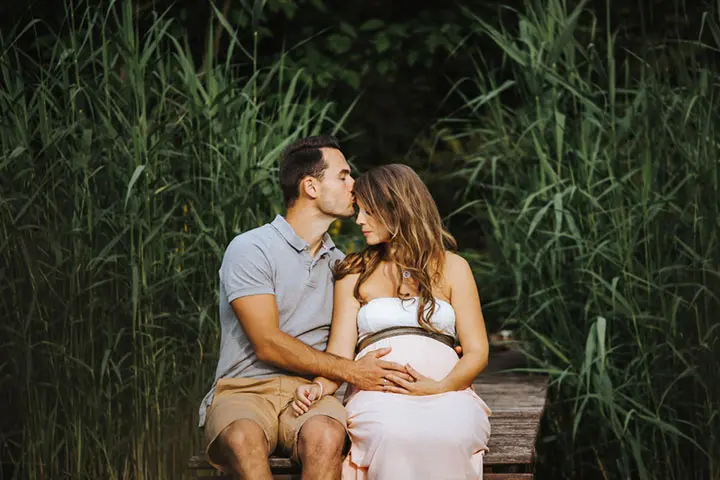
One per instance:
(241, 427)
(320, 448)
(243, 449)
(317, 439)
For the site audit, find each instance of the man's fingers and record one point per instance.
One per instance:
(381, 352)
(374, 388)
(392, 366)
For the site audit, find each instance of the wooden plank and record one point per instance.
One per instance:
(518, 429)
(510, 449)
(508, 476)
(517, 402)
(504, 450)
(486, 476)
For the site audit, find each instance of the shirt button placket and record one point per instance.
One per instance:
(308, 263)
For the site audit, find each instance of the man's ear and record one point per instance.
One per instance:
(309, 186)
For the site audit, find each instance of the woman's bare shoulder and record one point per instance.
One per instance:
(347, 283)
(457, 272)
(455, 264)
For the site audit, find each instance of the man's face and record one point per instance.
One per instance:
(335, 196)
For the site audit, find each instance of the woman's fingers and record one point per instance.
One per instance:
(415, 374)
(303, 398)
(394, 389)
(297, 409)
(400, 382)
(302, 402)
(405, 376)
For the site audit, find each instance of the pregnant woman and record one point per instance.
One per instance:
(406, 293)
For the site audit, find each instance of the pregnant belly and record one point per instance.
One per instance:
(429, 357)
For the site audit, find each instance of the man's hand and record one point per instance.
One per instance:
(370, 373)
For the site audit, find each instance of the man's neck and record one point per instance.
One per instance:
(310, 225)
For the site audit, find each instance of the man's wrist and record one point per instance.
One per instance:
(346, 371)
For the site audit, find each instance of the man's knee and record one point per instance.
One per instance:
(242, 438)
(321, 436)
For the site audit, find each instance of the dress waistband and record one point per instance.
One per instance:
(389, 332)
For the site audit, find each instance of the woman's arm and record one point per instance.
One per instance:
(469, 324)
(343, 330)
(343, 338)
(470, 327)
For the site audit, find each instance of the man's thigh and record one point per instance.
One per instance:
(290, 424)
(242, 399)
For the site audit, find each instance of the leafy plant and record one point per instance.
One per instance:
(595, 176)
(125, 169)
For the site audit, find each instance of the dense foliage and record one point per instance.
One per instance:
(125, 171)
(598, 192)
(576, 159)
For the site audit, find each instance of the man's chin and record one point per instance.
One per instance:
(348, 214)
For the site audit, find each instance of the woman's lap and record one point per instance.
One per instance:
(456, 419)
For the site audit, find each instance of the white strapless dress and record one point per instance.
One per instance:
(395, 436)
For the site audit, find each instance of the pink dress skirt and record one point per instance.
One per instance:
(397, 436)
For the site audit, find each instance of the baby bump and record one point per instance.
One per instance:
(429, 357)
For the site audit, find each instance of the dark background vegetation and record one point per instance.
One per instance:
(572, 152)
(395, 63)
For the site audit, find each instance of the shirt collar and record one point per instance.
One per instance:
(284, 228)
(328, 244)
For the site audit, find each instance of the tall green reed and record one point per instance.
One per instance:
(594, 171)
(125, 169)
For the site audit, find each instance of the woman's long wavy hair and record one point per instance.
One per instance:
(395, 196)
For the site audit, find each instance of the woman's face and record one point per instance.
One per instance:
(373, 230)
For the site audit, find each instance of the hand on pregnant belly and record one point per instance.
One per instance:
(419, 385)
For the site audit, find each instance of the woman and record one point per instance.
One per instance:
(407, 292)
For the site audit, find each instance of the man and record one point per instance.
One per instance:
(275, 312)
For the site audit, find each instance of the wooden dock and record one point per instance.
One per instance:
(517, 402)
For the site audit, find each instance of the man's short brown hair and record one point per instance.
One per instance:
(300, 159)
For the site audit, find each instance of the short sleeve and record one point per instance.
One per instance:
(246, 270)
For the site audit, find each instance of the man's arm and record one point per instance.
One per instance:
(258, 315)
(247, 276)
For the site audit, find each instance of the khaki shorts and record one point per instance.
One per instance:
(267, 402)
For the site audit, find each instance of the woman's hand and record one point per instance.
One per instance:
(305, 396)
(421, 385)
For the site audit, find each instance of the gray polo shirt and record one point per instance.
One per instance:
(272, 259)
